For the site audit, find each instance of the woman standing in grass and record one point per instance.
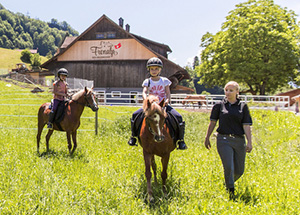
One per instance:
(234, 122)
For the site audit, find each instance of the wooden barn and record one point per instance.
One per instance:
(114, 58)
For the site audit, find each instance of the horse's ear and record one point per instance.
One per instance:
(85, 89)
(162, 103)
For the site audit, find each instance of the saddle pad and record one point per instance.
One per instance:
(171, 122)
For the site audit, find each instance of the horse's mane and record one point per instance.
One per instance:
(151, 105)
(77, 95)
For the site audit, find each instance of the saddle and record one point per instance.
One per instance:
(171, 122)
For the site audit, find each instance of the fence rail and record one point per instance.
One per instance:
(188, 100)
(130, 99)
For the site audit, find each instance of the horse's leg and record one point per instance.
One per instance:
(74, 142)
(38, 136)
(69, 141)
(164, 174)
(153, 164)
(147, 159)
(50, 132)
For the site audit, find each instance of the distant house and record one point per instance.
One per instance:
(113, 58)
(32, 51)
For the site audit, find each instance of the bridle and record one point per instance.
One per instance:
(150, 129)
(86, 104)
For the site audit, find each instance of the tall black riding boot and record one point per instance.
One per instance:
(50, 120)
(132, 140)
(231, 193)
(181, 143)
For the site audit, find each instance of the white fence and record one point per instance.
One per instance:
(135, 99)
(194, 101)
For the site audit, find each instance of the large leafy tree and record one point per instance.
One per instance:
(258, 46)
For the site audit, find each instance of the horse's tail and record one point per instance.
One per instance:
(42, 120)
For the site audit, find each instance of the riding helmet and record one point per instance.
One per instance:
(154, 62)
(62, 71)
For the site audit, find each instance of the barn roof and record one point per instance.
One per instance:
(69, 41)
(144, 40)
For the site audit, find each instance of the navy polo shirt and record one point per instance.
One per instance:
(231, 117)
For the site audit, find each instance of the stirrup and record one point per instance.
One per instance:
(181, 145)
(132, 141)
(50, 126)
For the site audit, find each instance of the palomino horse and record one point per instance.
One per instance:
(71, 120)
(155, 140)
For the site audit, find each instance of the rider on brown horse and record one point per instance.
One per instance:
(158, 86)
(59, 93)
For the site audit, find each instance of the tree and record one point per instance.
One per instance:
(196, 62)
(26, 56)
(189, 82)
(35, 60)
(20, 31)
(257, 46)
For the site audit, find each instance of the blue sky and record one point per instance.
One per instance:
(177, 23)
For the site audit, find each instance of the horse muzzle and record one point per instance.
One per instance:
(95, 108)
(158, 138)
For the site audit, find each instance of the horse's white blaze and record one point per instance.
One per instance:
(156, 119)
(94, 102)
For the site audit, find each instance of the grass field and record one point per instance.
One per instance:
(106, 176)
(9, 59)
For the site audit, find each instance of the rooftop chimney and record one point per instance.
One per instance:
(121, 21)
(127, 27)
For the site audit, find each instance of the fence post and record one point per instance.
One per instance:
(96, 119)
(19, 116)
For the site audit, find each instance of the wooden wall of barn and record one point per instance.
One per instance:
(112, 73)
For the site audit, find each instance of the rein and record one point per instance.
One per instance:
(149, 127)
(83, 104)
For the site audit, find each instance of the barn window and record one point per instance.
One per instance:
(105, 35)
(100, 35)
(111, 34)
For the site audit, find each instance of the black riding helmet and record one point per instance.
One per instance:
(154, 61)
(62, 71)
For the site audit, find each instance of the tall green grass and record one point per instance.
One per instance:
(106, 176)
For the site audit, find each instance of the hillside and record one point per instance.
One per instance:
(18, 31)
(9, 59)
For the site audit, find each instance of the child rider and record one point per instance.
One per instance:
(59, 93)
(160, 87)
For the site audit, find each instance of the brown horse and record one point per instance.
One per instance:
(194, 99)
(71, 120)
(155, 140)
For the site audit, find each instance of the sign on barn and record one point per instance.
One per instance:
(106, 50)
